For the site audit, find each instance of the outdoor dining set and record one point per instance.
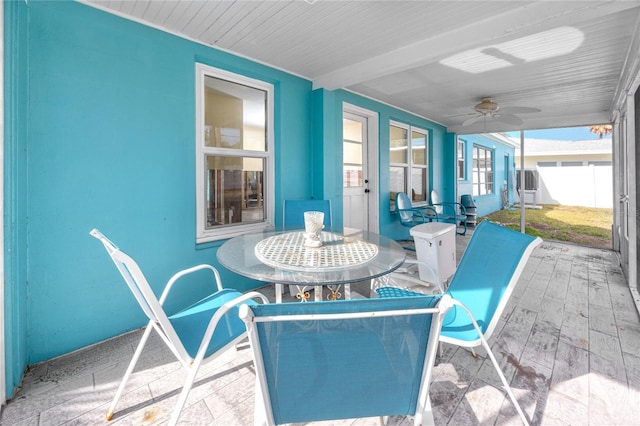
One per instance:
(364, 355)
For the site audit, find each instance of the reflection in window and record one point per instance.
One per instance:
(234, 190)
(482, 170)
(408, 173)
(462, 173)
(234, 135)
(352, 147)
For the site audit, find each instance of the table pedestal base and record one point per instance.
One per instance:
(303, 294)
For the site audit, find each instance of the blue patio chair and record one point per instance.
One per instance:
(481, 286)
(411, 216)
(450, 212)
(205, 328)
(345, 359)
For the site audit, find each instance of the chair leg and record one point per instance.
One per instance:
(514, 401)
(464, 229)
(427, 416)
(132, 365)
(259, 412)
(485, 345)
(186, 388)
(278, 292)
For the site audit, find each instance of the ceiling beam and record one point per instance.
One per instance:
(528, 18)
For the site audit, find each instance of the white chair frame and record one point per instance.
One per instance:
(159, 321)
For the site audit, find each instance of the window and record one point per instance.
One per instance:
(234, 154)
(547, 164)
(600, 163)
(571, 163)
(462, 173)
(482, 170)
(408, 170)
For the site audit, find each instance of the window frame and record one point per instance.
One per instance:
(476, 181)
(409, 166)
(461, 161)
(204, 235)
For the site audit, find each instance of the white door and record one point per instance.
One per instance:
(360, 174)
(355, 179)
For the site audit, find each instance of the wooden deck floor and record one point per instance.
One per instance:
(569, 341)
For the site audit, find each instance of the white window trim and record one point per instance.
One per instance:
(204, 235)
(476, 173)
(464, 160)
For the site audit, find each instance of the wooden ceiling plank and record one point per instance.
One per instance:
(539, 16)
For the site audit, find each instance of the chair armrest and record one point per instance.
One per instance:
(418, 212)
(471, 317)
(222, 310)
(453, 207)
(432, 213)
(187, 271)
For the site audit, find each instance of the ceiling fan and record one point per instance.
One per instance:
(488, 109)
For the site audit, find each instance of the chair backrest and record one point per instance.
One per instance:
(435, 200)
(489, 270)
(345, 359)
(403, 207)
(293, 212)
(141, 290)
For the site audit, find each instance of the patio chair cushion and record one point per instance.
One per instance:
(457, 321)
(191, 323)
(386, 292)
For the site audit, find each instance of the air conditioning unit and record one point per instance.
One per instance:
(530, 180)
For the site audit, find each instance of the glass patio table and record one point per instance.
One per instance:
(279, 256)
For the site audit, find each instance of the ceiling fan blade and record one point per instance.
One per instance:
(508, 118)
(462, 115)
(518, 110)
(472, 120)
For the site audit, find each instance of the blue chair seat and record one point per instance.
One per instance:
(191, 323)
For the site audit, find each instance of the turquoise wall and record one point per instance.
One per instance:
(16, 288)
(487, 204)
(110, 144)
(100, 130)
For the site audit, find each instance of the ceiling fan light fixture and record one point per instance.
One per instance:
(487, 107)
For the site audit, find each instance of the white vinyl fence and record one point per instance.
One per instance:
(587, 186)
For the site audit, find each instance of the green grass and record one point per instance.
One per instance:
(580, 225)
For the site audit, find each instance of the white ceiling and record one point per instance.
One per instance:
(570, 59)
